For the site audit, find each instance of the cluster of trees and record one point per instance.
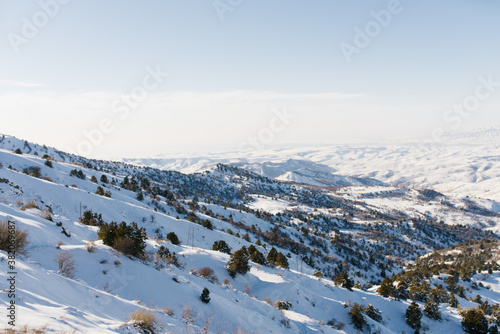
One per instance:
(164, 254)
(77, 173)
(130, 184)
(472, 257)
(239, 261)
(256, 256)
(474, 320)
(101, 192)
(357, 313)
(92, 218)
(104, 179)
(343, 280)
(34, 171)
(278, 259)
(412, 285)
(221, 246)
(126, 238)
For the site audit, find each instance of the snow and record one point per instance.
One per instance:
(108, 286)
(268, 204)
(455, 168)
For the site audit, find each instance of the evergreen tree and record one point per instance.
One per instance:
(128, 239)
(431, 310)
(100, 191)
(104, 179)
(140, 196)
(282, 261)
(163, 252)
(272, 256)
(205, 296)
(477, 299)
(172, 237)
(401, 291)
(413, 315)
(373, 313)
(439, 294)
(386, 289)
(419, 290)
(238, 263)
(453, 302)
(256, 256)
(207, 224)
(78, 173)
(474, 322)
(92, 218)
(343, 280)
(145, 184)
(486, 308)
(357, 318)
(221, 246)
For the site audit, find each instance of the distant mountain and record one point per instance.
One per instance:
(319, 179)
(460, 167)
(291, 170)
(275, 169)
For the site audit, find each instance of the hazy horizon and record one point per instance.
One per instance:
(124, 79)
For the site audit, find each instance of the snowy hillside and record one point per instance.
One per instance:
(314, 178)
(333, 248)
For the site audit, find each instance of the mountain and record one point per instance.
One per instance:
(315, 178)
(460, 168)
(334, 247)
(276, 169)
(290, 170)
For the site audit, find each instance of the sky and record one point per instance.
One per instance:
(120, 78)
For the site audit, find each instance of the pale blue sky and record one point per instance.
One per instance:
(227, 76)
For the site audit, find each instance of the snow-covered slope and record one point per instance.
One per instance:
(362, 231)
(276, 169)
(319, 179)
